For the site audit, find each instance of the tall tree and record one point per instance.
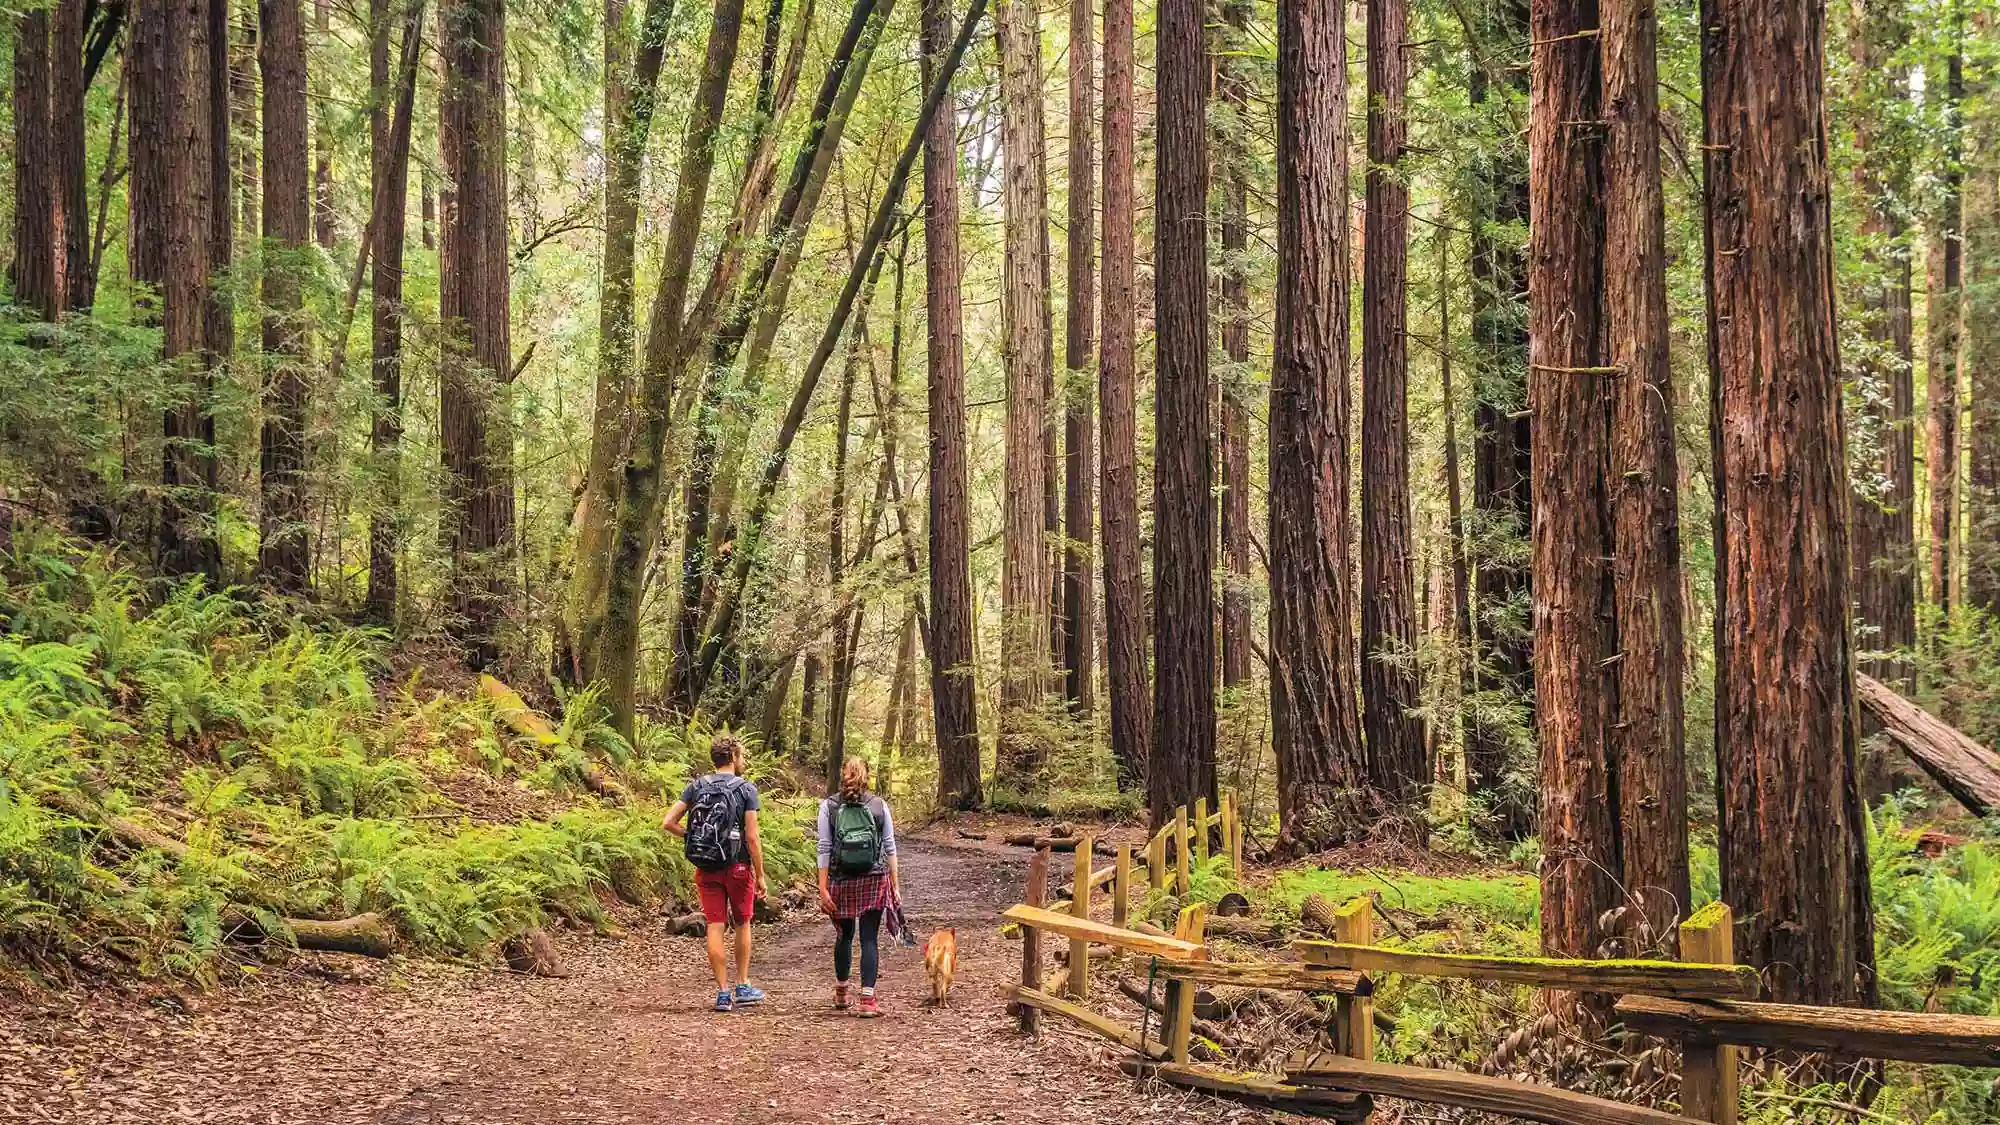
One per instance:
(150, 71)
(389, 163)
(1024, 582)
(1649, 735)
(219, 319)
(1502, 439)
(475, 432)
(1233, 163)
(1117, 386)
(188, 543)
(1981, 346)
(631, 86)
(1793, 849)
(1079, 629)
(1182, 767)
(37, 278)
(950, 633)
(1315, 731)
(1943, 309)
(1884, 501)
(69, 83)
(1390, 694)
(1568, 385)
(287, 210)
(322, 207)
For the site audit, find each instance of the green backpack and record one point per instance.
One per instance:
(857, 839)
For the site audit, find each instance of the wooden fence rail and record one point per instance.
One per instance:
(1705, 1000)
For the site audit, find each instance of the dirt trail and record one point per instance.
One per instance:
(626, 1038)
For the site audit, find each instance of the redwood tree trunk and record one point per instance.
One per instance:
(1793, 848)
(1501, 445)
(1117, 380)
(323, 228)
(68, 87)
(952, 700)
(1650, 732)
(1398, 763)
(1024, 582)
(1315, 731)
(187, 533)
(37, 281)
(150, 71)
(1233, 161)
(1079, 628)
(1568, 390)
(287, 213)
(1884, 500)
(1945, 280)
(475, 433)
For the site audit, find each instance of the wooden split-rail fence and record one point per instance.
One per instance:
(1705, 1001)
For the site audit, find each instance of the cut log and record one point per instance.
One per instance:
(1904, 1036)
(369, 935)
(1250, 931)
(1962, 767)
(1259, 1090)
(1475, 1092)
(1316, 914)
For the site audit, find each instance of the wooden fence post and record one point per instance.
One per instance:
(1191, 926)
(1709, 1076)
(1121, 886)
(1354, 924)
(1077, 982)
(1031, 938)
(1181, 842)
(1156, 860)
(1236, 835)
(1201, 830)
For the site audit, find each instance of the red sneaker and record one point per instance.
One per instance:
(869, 1008)
(840, 997)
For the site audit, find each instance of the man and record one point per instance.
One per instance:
(720, 838)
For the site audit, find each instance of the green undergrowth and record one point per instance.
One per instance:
(302, 781)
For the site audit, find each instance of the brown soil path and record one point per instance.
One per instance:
(626, 1038)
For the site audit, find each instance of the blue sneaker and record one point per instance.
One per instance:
(724, 1002)
(748, 994)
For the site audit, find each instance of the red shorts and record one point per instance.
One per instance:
(727, 895)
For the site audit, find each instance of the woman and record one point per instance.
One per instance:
(858, 878)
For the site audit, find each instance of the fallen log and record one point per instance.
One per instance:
(1962, 767)
(369, 935)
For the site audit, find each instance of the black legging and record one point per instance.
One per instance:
(843, 947)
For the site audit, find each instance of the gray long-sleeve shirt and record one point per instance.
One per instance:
(884, 823)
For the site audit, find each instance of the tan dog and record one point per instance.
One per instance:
(940, 961)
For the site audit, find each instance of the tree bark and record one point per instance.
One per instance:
(1648, 738)
(952, 696)
(187, 532)
(69, 87)
(631, 83)
(1079, 318)
(1117, 386)
(1461, 573)
(1024, 583)
(1884, 498)
(1569, 390)
(219, 320)
(150, 69)
(1980, 347)
(1182, 767)
(1502, 441)
(475, 431)
(322, 205)
(1315, 731)
(1793, 844)
(37, 279)
(1944, 284)
(1233, 162)
(390, 175)
(1390, 693)
(287, 213)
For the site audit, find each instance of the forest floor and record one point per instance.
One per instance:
(626, 1037)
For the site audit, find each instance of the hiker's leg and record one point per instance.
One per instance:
(843, 948)
(718, 956)
(743, 952)
(871, 959)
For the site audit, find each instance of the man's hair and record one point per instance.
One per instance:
(724, 749)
